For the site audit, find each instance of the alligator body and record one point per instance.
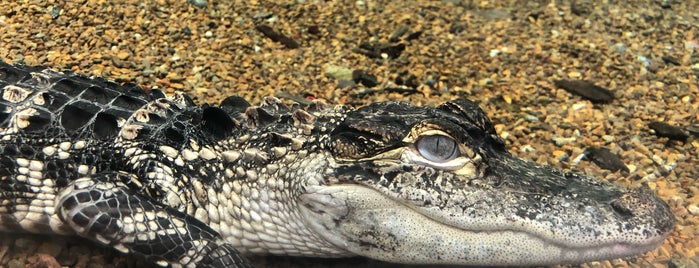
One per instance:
(187, 185)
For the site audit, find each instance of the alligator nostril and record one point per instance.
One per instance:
(622, 208)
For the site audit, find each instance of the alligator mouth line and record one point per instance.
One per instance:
(415, 223)
(604, 251)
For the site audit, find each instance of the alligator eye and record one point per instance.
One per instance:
(437, 148)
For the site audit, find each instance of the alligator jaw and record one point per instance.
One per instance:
(518, 213)
(368, 223)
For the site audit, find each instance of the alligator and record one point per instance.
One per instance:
(185, 185)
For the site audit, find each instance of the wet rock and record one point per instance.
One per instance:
(668, 131)
(587, 90)
(605, 159)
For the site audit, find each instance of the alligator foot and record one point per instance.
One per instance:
(103, 209)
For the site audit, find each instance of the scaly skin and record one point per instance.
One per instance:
(187, 185)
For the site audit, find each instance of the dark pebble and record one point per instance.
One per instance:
(580, 9)
(457, 28)
(374, 50)
(397, 33)
(693, 130)
(413, 36)
(364, 78)
(55, 12)
(605, 159)
(669, 131)
(199, 3)
(342, 83)
(585, 89)
(671, 60)
(313, 29)
(401, 90)
(409, 80)
(288, 42)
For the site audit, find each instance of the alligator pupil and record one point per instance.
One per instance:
(437, 148)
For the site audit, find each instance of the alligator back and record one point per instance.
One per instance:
(56, 127)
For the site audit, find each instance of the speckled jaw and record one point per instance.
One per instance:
(479, 206)
(485, 227)
(380, 228)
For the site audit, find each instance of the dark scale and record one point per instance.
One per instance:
(184, 185)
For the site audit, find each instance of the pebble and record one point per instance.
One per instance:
(199, 3)
(560, 141)
(663, 129)
(364, 78)
(45, 261)
(15, 264)
(338, 72)
(52, 248)
(276, 36)
(123, 54)
(693, 209)
(586, 89)
(605, 159)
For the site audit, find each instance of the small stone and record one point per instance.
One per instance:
(586, 89)
(338, 72)
(44, 261)
(123, 54)
(560, 141)
(55, 12)
(574, 74)
(693, 209)
(199, 3)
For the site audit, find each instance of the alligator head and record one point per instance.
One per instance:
(436, 185)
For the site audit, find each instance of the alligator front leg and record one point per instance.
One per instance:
(103, 209)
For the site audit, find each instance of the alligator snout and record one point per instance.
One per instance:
(639, 204)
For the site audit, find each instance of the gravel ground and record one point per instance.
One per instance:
(510, 56)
